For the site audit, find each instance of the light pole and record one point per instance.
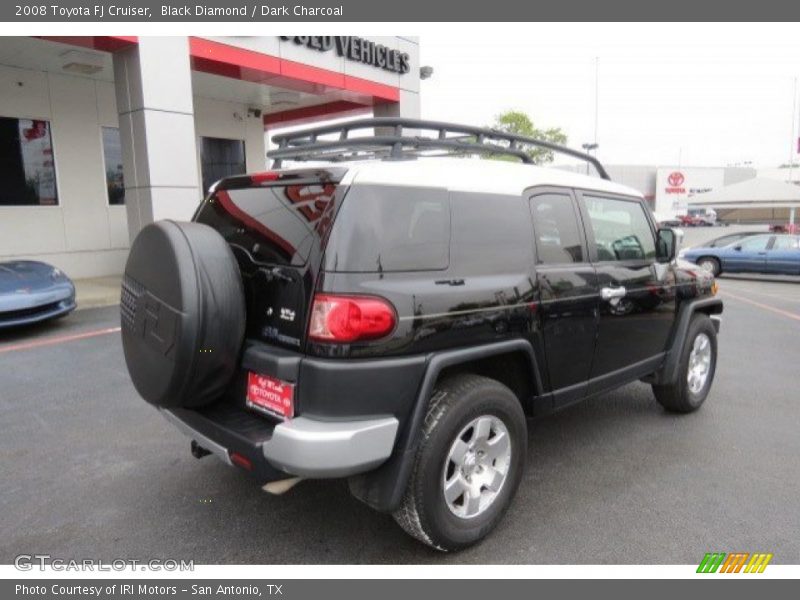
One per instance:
(596, 95)
(589, 147)
(791, 133)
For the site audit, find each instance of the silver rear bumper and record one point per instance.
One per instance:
(312, 448)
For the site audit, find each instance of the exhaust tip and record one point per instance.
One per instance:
(276, 488)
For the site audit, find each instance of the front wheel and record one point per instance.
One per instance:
(709, 264)
(698, 364)
(468, 465)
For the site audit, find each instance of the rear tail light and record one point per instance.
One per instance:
(350, 318)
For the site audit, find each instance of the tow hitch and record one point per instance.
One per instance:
(198, 451)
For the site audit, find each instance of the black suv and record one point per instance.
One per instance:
(387, 314)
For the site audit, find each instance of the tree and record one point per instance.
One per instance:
(517, 122)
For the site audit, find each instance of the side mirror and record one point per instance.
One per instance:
(666, 245)
(738, 247)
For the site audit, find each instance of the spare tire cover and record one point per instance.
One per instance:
(182, 314)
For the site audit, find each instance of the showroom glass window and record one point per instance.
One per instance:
(621, 229)
(220, 158)
(27, 169)
(112, 157)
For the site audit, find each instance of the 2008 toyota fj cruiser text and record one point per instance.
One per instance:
(394, 321)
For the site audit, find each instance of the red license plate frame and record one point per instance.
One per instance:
(270, 396)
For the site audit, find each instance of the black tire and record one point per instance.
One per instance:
(182, 314)
(711, 264)
(455, 403)
(678, 396)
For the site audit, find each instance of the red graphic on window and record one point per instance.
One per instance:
(37, 130)
(311, 199)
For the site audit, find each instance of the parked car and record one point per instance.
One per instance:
(702, 217)
(765, 253)
(785, 228)
(729, 239)
(692, 220)
(676, 222)
(32, 291)
(394, 321)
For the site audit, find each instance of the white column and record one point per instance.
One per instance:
(408, 107)
(156, 120)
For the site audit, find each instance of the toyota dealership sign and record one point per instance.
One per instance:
(675, 185)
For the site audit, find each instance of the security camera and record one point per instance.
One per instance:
(254, 112)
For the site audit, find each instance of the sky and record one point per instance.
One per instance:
(668, 94)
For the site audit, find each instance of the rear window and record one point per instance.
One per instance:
(273, 225)
(382, 228)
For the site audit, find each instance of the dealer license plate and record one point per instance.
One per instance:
(269, 395)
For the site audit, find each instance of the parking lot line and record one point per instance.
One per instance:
(759, 293)
(59, 340)
(778, 311)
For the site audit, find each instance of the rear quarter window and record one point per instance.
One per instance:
(387, 228)
(491, 233)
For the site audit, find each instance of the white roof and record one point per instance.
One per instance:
(473, 175)
(756, 192)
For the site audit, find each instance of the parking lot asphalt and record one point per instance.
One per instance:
(91, 471)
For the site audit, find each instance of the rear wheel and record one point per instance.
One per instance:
(710, 265)
(468, 465)
(696, 369)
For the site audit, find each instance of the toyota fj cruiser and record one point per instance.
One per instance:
(387, 314)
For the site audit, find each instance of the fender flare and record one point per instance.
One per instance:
(383, 488)
(669, 370)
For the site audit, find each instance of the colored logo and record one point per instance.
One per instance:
(675, 178)
(735, 562)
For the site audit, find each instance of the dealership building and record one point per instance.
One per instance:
(668, 189)
(101, 135)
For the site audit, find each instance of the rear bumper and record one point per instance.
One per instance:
(311, 448)
(303, 446)
(350, 413)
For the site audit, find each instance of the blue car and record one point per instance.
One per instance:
(32, 291)
(773, 254)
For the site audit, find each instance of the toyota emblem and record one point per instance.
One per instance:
(675, 178)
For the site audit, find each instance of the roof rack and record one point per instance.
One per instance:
(389, 141)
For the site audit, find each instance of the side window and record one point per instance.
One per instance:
(621, 229)
(556, 230)
(786, 242)
(756, 243)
